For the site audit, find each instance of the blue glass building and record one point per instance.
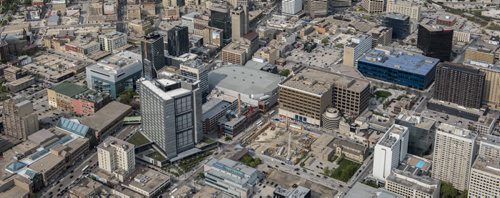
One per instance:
(402, 68)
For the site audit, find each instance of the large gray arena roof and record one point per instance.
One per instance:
(244, 80)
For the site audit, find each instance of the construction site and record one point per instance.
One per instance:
(283, 143)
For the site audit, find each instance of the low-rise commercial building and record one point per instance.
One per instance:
(20, 84)
(231, 177)
(76, 98)
(407, 69)
(108, 119)
(147, 182)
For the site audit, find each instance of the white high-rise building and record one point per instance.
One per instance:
(198, 70)
(291, 6)
(485, 178)
(454, 150)
(116, 157)
(171, 113)
(390, 150)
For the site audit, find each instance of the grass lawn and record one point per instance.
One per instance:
(345, 170)
(138, 139)
(382, 94)
(250, 161)
(157, 156)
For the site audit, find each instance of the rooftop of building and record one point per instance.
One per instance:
(88, 186)
(418, 121)
(349, 144)
(69, 89)
(392, 135)
(421, 183)
(236, 47)
(46, 163)
(318, 82)
(213, 107)
(356, 40)
(362, 190)
(113, 35)
(115, 62)
(299, 191)
(238, 172)
(435, 28)
(403, 61)
(195, 63)
(107, 115)
(416, 165)
(456, 131)
(41, 136)
(243, 79)
(156, 87)
(378, 30)
(490, 139)
(397, 16)
(111, 141)
(489, 165)
(22, 80)
(147, 179)
(448, 18)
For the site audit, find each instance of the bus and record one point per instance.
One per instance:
(85, 168)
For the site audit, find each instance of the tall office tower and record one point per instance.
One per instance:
(435, 41)
(19, 119)
(116, 157)
(291, 6)
(171, 113)
(421, 133)
(153, 55)
(355, 48)
(239, 22)
(484, 178)
(489, 147)
(454, 152)
(317, 8)
(399, 23)
(373, 6)
(198, 70)
(459, 84)
(178, 41)
(221, 18)
(390, 150)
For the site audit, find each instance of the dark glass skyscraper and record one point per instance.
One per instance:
(435, 41)
(399, 23)
(459, 84)
(221, 18)
(153, 55)
(178, 41)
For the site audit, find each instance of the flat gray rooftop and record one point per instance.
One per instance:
(243, 80)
